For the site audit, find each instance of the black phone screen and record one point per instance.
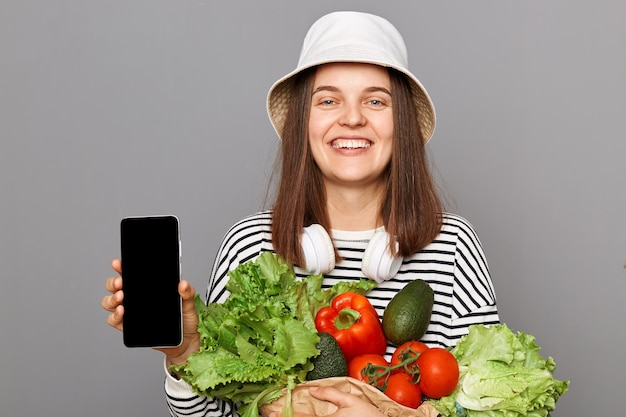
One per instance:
(150, 248)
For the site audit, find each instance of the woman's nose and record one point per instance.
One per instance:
(352, 115)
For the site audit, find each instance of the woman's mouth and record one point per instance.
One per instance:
(351, 143)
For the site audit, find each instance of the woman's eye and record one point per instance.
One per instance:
(328, 102)
(376, 102)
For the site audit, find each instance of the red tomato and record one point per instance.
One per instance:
(402, 389)
(358, 364)
(405, 351)
(439, 372)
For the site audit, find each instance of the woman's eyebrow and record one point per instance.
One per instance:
(335, 89)
(377, 89)
(325, 88)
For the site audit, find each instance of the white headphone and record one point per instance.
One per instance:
(319, 254)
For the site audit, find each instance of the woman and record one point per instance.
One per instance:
(353, 123)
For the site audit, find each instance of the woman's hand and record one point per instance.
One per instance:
(349, 404)
(191, 339)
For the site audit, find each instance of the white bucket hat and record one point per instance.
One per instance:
(351, 37)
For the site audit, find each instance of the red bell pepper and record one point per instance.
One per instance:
(353, 322)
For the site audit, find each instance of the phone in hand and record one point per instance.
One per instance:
(151, 272)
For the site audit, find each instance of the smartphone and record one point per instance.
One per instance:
(151, 271)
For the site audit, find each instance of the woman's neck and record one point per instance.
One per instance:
(354, 209)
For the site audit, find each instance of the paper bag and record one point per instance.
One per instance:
(303, 402)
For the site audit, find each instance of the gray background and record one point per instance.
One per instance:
(116, 108)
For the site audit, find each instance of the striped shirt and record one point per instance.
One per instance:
(453, 264)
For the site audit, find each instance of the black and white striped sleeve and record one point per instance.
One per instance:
(182, 401)
(474, 299)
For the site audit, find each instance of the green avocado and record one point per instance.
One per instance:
(408, 313)
(330, 362)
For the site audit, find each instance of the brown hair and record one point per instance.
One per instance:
(411, 208)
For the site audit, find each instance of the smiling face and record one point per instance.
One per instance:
(351, 124)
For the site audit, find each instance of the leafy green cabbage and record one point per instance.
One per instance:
(502, 374)
(263, 337)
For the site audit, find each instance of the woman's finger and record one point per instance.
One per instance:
(115, 319)
(190, 316)
(116, 264)
(333, 395)
(113, 284)
(111, 302)
(186, 290)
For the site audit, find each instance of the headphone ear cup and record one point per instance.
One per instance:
(318, 250)
(378, 263)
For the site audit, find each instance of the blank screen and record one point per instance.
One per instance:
(151, 273)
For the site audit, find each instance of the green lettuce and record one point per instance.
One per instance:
(502, 374)
(263, 337)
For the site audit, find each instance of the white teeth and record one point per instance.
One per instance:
(350, 144)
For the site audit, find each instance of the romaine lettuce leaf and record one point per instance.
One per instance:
(502, 374)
